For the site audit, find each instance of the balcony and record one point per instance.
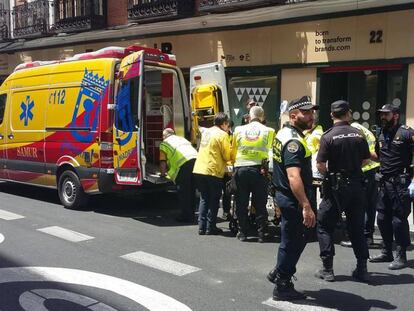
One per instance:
(79, 15)
(221, 6)
(4, 25)
(31, 19)
(143, 11)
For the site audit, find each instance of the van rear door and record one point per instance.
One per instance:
(208, 94)
(127, 138)
(3, 100)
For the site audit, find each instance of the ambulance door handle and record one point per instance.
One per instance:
(10, 136)
(1, 136)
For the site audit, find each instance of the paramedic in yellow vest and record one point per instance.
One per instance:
(209, 168)
(292, 177)
(178, 156)
(312, 137)
(250, 147)
(371, 186)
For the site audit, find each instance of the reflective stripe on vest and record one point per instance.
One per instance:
(285, 135)
(254, 140)
(370, 138)
(178, 151)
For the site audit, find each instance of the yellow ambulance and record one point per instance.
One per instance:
(92, 123)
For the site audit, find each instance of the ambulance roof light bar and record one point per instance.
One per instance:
(108, 52)
(33, 64)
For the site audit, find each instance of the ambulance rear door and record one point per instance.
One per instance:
(3, 100)
(128, 123)
(208, 94)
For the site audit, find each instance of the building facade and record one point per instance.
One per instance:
(358, 50)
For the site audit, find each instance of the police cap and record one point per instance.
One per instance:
(303, 103)
(340, 106)
(389, 108)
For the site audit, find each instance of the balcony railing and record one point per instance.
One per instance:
(210, 6)
(152, 10)
(4, 25)
(79, 15)
(31, 19)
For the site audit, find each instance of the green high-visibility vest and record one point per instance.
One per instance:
(253, 141)
(178, 151)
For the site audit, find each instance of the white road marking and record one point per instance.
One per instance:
(9, 215)
(160, 263)
(146, 297)
(34, 300)
(65, 234)
(300, 305)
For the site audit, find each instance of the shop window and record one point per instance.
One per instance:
(366, 90)
(262, 89)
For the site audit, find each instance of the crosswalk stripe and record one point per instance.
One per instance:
(301, 305)
(160, 263)
(9, 215)
(65, 234)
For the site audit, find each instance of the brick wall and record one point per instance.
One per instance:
(117, 12)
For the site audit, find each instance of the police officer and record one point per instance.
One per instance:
(292, 177)
(371, 186)
(250, 147)
(178, 155)
(343, 151)
(395, 150)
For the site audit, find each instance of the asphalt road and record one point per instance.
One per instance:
(128, 253)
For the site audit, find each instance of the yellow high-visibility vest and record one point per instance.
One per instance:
(370, 138)
(178, 151)
(252, 143)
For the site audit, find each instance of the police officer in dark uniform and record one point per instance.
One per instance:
(292, 177)
(343, 150)
(395, 149)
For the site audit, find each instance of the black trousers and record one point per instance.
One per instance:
(350, 199)
(393, 208)
(249, 180)
(371, 197)
(186, 189)
(294, 235)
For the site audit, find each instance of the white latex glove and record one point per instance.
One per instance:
(411, 189)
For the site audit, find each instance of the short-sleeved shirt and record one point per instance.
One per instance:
(291, 154)
(343, 148)
(395, 150)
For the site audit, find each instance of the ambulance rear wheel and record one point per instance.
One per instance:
(70, 190)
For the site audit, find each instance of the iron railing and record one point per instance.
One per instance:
(209, 6)
(151, 10)
(5, 33)
(31, 19)
(79, 15)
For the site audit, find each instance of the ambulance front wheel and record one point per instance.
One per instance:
(70, 190)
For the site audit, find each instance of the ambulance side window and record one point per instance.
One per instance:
(3, 98)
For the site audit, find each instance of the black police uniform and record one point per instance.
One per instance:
(290, 150)
(343, 148)
(395, 149)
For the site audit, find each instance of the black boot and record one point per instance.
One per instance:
(385, 256)
(285, 290)
(271, 276)
(400, 260)
(326, 273)
(360, 273)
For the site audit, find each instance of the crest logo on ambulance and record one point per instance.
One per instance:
(89, 97)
